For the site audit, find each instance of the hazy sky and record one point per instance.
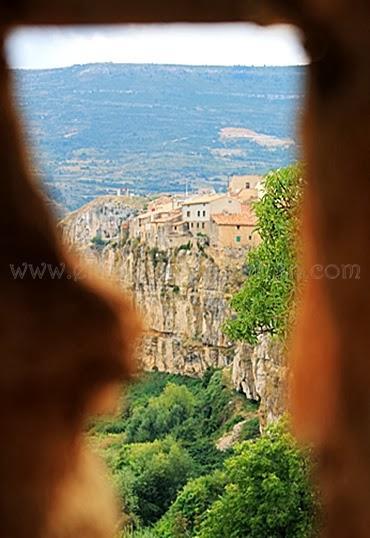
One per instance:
(223, 44)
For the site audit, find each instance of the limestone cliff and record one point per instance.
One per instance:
(184, 295)
(260, 372)
(97, 222)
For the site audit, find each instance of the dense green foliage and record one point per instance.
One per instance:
(263, 490)
(165, 436)
(268, 492)
(264, 303)
(187, 513)
(149, 475)
(161, 415)
(174, 483)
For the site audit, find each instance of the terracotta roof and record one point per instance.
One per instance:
(236, 219)
(205, 198)
(245, 194)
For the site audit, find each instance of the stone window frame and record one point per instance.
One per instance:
(335, 147)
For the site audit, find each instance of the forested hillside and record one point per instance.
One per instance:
(156, 128)
(177, 476)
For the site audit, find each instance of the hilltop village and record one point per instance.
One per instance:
(182, 258)
(226, 219)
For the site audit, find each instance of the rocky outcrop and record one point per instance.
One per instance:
(260, 372)
(183, 294)
(97, 222)
(230, 438)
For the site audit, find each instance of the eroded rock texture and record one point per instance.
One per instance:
(260, 373)
(184, 295)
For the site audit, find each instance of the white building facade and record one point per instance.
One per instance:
(197, 211)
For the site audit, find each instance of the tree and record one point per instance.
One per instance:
(268, 494)
(186, 514)
(150, 475)
(161, 415)
(264, 303)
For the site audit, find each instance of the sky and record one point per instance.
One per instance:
(222, 44)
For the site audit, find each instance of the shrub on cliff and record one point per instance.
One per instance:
(264, 303)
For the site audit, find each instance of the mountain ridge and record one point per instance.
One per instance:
(98, 127)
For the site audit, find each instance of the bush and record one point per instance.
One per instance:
(217, 403)
(268, 494)
(158, 256)
(139, 533)
(184, 246)
(99, 242)
(148, 477)
(161, 415)
(152, 384)
(185, 516)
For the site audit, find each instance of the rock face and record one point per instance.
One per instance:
(96, 223)
(260, 372)
(183, 294)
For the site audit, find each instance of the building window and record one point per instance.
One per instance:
(250, 237)
(238, 238)
(191, 225)
(197, 224)
(203, 225)
(204, 213)
(188, 213)
(238, 227)
(198, 212)
(247, 185)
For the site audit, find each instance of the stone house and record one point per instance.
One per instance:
(144, 226)
(238, 183)
(161, 201)
(160, 230)
(233, 231)
(197, 211)
(244, 188)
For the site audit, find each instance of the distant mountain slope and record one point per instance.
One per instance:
(155, 127)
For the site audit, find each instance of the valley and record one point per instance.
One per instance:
(154, 128)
